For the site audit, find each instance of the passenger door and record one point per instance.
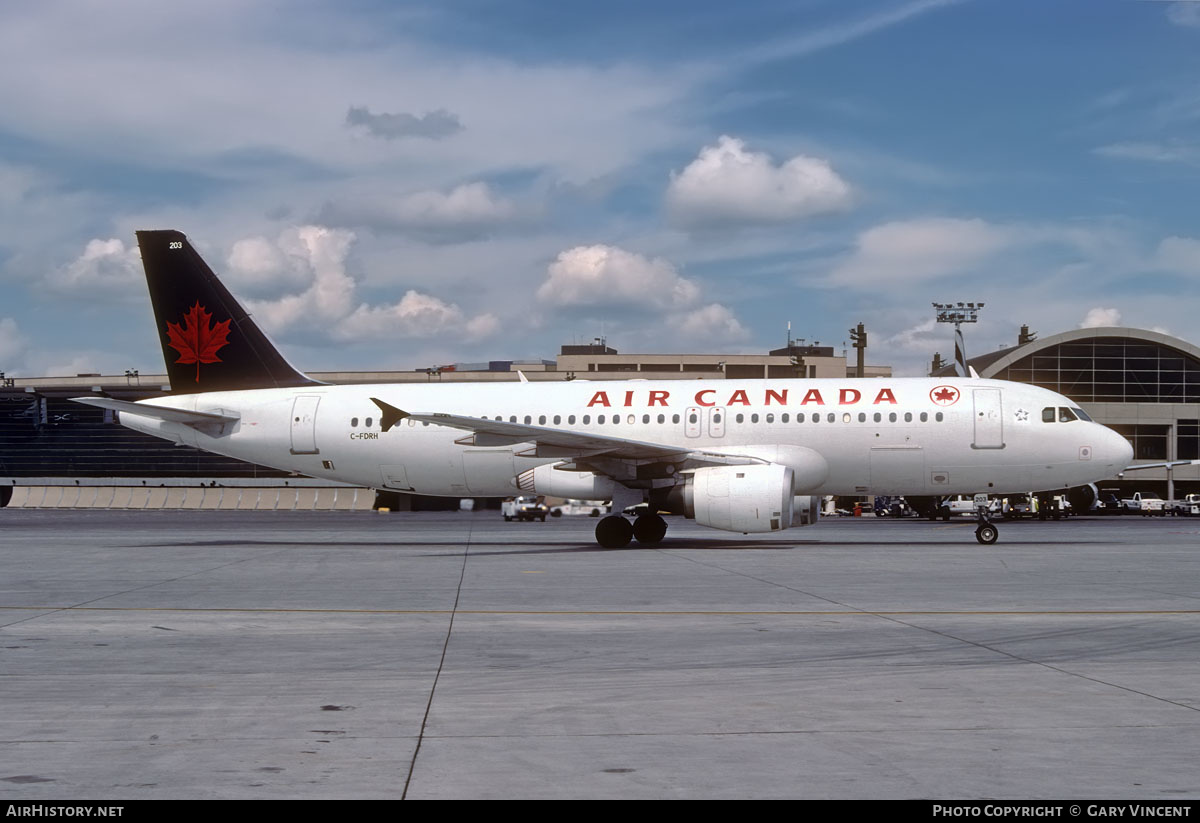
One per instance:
(989, 419)
(304, 424)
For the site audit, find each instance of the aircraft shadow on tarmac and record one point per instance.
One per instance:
(573, 547)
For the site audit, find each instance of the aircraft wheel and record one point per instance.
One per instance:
(987, 534)
(614, 532)
(649, 529)
(945, 513)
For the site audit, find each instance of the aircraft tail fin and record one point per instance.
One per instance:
(209, 341)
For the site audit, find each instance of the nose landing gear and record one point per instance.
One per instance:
(986, 533)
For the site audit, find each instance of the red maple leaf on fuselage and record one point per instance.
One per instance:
(946, 395)
(198, 341)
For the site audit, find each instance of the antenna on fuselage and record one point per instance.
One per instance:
(959, 313)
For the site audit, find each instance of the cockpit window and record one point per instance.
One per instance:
(1082, 415)
(1065, 415)
(1048, 414)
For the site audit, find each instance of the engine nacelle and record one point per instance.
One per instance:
(806, 509)
(1082, 498)
(734, 498)
(547, 479)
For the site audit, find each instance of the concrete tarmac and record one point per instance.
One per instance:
(185, 654)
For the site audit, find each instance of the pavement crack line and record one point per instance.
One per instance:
(947, 635)
(462, 575)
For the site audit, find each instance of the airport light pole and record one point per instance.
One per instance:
(958, 313)
(859, 336)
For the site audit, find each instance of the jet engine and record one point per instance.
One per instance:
(806, 509)
(734, 498)
(1082, 498)
(548, 479)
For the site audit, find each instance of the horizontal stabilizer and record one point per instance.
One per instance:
(189, 418)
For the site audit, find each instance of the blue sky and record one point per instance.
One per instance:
(397, 185)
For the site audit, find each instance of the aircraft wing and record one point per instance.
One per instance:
(550, 442)
(1169, 464)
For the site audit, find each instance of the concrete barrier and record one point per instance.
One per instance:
(20, 497)
(104, 497)
(306, 500)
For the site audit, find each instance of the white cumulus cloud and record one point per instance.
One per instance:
(921, 337)
(329, 303)
(258, 265)
(105, 267)
(465, 211)
(1186, 13)
(1100, 317)
(416, 315)
(905, 252)
(1179, 254)
(606, 275)
(727, 184)
(709, 324)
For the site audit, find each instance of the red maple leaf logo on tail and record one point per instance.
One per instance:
(198, 341)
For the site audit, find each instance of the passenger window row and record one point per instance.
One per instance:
(769, 418)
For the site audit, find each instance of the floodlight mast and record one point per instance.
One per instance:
(958, 313)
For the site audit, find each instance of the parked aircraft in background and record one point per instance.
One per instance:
(738, 455)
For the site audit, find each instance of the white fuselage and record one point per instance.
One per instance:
(910, 436)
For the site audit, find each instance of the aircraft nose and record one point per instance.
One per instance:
(1114, 450)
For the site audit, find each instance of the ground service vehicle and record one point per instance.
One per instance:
(1147, 504)
(1189, 506)
(524, 508)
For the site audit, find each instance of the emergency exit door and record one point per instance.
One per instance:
(716, 422)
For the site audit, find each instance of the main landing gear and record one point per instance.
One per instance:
(615, 532)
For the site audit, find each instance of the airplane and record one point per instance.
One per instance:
(750, 456)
